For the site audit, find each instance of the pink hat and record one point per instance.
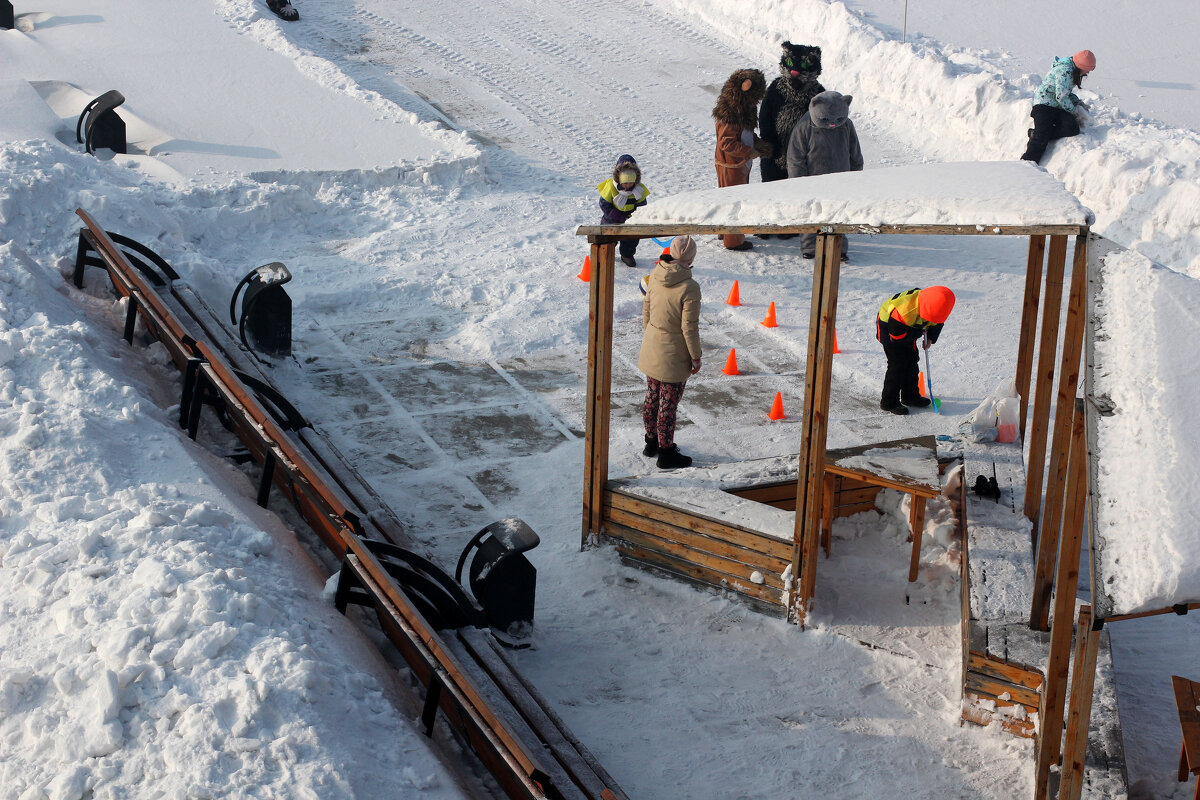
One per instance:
(1085, 60)
(683, 250)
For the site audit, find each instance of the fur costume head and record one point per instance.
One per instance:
(740, 96)
(800, 62)
(830, 109)
(626, 164)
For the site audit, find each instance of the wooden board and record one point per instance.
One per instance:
(732, 568)
(640, 231)
(695, 541)
(698, 574)
(850, 462)
(741, 537)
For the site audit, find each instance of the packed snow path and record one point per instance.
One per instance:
(568, 86)
(463, 406)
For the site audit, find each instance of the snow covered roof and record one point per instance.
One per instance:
(1146, 469)
(986, 196)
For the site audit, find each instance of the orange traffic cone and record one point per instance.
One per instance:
(731, 363)
(777, 407)
(836, 349)
(733, 299)
(921, 383)
(585, 274)
(769, 322)
(666, 252)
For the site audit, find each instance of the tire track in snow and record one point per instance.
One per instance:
(572, 99)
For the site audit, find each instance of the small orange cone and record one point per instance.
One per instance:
(585, 274)
(836, 349)
(734, 299)
(666, 252)
(731, 363)
(769, 322)
(921, 383)
(777, 407)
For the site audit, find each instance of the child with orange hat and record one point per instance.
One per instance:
(904, 318)
(1056, 107)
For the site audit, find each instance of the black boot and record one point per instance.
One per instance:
(671, 458)
(651, 448)
(898, 409)
(916, 402)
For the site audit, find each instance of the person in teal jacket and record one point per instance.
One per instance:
(1056, 104)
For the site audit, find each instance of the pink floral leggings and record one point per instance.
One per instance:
(658, 409)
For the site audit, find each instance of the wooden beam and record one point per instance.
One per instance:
(810, 484)
(1051, 309)
(1065, 420)
(673, 536)
(1029, 315)
(1083, 682)
(1054, 691)
(599, 389)
(642, 231)
(705, 526)
(916, 522)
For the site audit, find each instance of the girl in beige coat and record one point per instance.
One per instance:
(670, 348)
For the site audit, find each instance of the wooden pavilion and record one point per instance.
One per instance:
(971, 199)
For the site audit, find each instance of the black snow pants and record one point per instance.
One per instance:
(903, 369)
(1049, 123)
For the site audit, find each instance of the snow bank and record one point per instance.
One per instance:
(1141, 178)
(994, 193)
(1147, 527)
(308, 114)
(163, 636)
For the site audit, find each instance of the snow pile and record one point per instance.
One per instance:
(1147, 527)
(190, 112)
(161, 638)
(985, 193)
(1140, 177)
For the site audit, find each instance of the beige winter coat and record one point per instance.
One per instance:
(671, 318)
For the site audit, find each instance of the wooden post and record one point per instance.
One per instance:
(810, 483)
(916, 523)
(1083, 683)
(1033, 291)
(599, 388)
(1054, 687)
(1051, 309)
(1068, 382)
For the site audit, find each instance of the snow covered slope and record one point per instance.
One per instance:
(422, 177)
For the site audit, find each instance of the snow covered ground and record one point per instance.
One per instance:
(422, 179)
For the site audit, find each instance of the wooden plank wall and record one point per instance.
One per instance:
(698, 549)
(995, 679)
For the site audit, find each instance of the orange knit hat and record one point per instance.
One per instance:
(1085, 60)
(935, 304)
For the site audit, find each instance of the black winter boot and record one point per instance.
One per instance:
(651, 448)
(916, 402)
(898, 409)
(671, 458)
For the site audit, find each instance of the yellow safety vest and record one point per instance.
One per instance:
(903, 306)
